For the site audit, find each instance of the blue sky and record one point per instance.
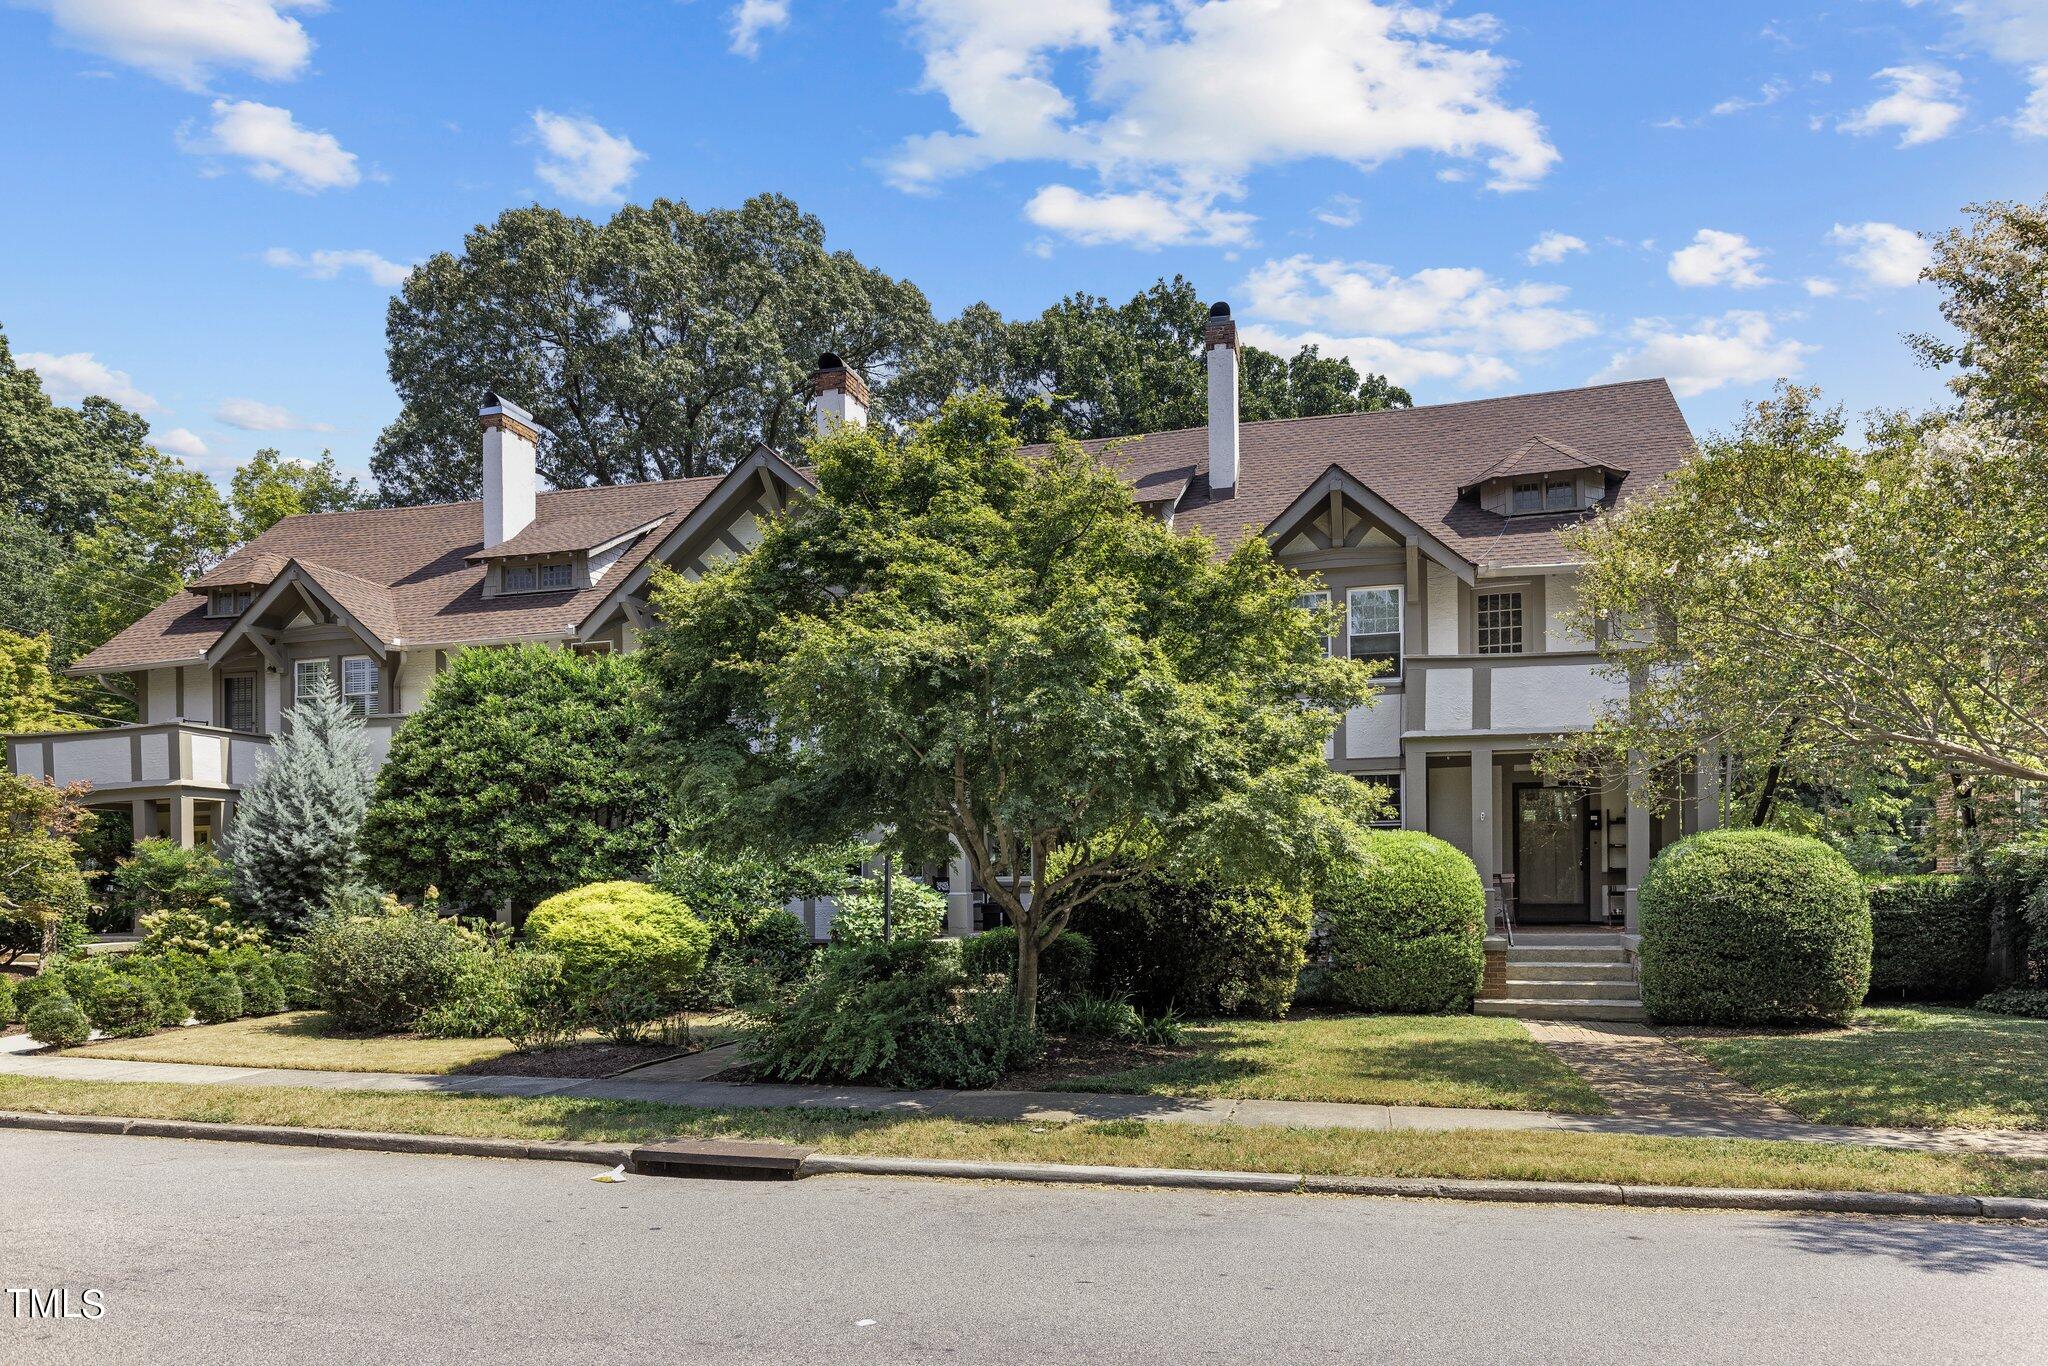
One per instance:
(210, 201)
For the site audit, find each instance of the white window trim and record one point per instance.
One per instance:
(1400, 626)
(1319, 601)
(301, 668)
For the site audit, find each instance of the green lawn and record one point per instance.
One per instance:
(1526, 1156)
(1918, 1066)
(1480, 1062)
(306, 1039)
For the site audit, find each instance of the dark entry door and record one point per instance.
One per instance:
(1551, 876)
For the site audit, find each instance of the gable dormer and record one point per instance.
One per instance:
(1543, 477)
(561, 554)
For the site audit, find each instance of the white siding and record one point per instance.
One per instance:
(600, 563)
(415, 676)
(1557, 697)
(1450, 805)
(156, 756)
(162, 696)
(209, 759)
(1561, 597)
(1447, 699)
(98, 760)
(199, 694)
(1373, 732)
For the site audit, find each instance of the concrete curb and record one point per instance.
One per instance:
(1897, 1204)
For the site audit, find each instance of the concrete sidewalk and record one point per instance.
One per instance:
(1051, 1107)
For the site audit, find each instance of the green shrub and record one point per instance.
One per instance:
(1064, 968)
(57, 1022)
(1930, 937)
(757, 946)
(7, 1006)
(476, 1002)
(30, 992)
(894, 1014)
(1753, 927)
(1108, 1018)
(83, 979)
(915, 912)
(2031, 1002)
(622, 935)
(173, 1005)
(1181, 944)
(542, 1008)
(1406, 926)
(162, 875)
(262, 993)
(217, 998)
(197, 930)
(295, 975)
(753, 954)
(379, 972)
(124, 1006)
(2017, 879)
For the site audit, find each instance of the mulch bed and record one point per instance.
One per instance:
(1066, 1059)
(583, 1060)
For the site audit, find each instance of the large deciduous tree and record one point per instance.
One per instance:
(660, 344)
(271, 486)
(1816, 609)
(1993, 277)
(515, 781)
(955, 642)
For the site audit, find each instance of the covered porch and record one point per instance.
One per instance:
(172, 779)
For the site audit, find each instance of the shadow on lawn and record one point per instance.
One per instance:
(1926, 1244)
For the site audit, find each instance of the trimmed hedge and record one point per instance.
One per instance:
(1746, 927)
(623, 935)
(1200, 949)
(1406, 926)
(57, 1022)
(1930, 937)
(2017, 874)
(124, 1007)
(217, 998)
(1063, 969)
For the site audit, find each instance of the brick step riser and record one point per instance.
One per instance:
(1563, 1010)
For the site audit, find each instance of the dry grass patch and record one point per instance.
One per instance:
(1532, 1155)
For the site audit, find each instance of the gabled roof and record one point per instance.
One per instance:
(1540, 455)
(588, 531)
(1420, 459)
(239, 570)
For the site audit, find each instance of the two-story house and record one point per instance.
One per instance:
(1437, 530)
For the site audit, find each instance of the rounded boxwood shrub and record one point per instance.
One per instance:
(1406, 926)
(262, 993)
(173, 1005)
(1753, 927)
(1063, 969)
(57, 1021)
(1183, 944)
(623, 935)
(217, 998)
(1930, 937)
(31, 992)
(124, 1006)
(7, 1006)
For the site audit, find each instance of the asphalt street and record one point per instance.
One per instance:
(217, 1253)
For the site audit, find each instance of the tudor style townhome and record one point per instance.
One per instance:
(1436, 529)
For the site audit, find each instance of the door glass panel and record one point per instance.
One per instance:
(1550, 846)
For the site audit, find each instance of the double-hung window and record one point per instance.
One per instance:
(1500, 623)
(1389, 785)
(359, 684)
(1318, 603)
(312, 679)
(1375, 622)
(238, 702)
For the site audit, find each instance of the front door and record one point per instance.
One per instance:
(1550, 855)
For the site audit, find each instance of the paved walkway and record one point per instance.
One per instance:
(1643, 1077)
(1050, 1107)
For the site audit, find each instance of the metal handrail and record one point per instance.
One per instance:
(1504, 886)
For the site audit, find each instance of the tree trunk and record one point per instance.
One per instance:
(1027, 974)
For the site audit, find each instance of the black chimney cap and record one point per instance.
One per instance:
(1219, 309)
(830, 361)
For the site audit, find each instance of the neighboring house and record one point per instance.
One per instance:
(1437, 529)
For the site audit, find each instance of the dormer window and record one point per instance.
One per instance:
(543, 577)
(229, 602)
(557, 574)
(1558, 493)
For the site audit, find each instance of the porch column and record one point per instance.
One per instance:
(1485, 830)
(959, 895)
(1415, 789)
(143, 813)
(182, 821)
(1638, 839)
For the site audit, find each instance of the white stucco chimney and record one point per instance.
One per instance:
(1219, 346)
(838, 395)
(508, 469)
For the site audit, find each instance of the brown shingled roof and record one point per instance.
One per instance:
(584, 532)
(405, 573)
(239, 570)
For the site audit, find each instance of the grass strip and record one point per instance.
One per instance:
(1528, 1155)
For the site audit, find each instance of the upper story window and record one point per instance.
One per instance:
(538, 578)
(360, 685)
(1317, 603)
(238, 702)
(1555, 493)
(229, 602)
(312, 679)
(1500, 623)
(1390, 786)
(1375, 622)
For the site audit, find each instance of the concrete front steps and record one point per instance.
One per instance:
(1543, 979)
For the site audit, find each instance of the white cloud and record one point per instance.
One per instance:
(1819, 287)
(186, 41)
(76, 375)
(1718, 258)
(326, 265)
(1187, 100)
(1886, 254)
(582, 160)
(276, 149)
(179, 441)
(1451, 324)
(1923, 105)
(1736, 348)
(1769, 93)
(1342, 211)
(2014, 32)
(751, 19)
(1140, 219)
(253, 415)
(1552, 247)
